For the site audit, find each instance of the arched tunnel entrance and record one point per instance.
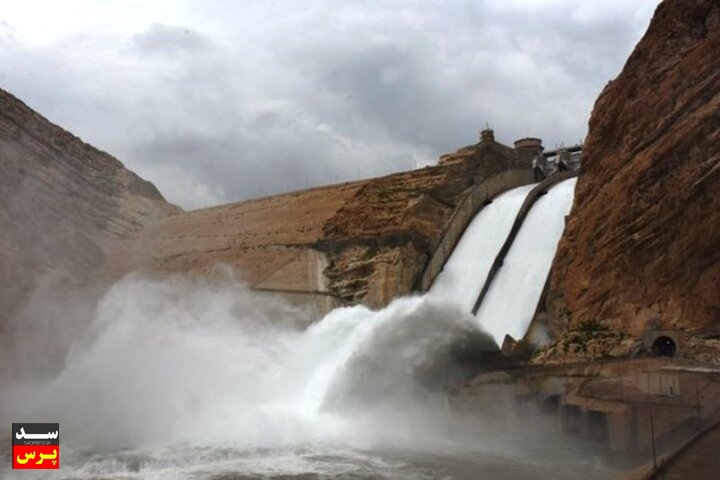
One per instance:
(664, 346)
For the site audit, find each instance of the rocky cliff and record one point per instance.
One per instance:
(63, 203)
(642, 244)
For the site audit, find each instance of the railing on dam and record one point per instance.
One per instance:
(476, 198)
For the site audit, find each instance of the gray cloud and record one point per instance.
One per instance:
(169, 39)
(252, 98)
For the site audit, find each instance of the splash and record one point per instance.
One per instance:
(187, 361)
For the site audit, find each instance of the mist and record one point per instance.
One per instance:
(183, 364)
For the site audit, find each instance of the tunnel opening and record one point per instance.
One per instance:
(664, 346)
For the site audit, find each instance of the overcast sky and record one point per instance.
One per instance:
(221, 100)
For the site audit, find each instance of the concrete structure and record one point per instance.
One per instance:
(475, 200)
(697, 459)
(487, 136)
(301, 281)
(529, 143)
(562, 159)
(674, 398)
(612, 403)
(569, 160)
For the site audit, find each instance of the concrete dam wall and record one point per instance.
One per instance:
(302, 279)
(476, 199)
(500, 266)
(364, 242)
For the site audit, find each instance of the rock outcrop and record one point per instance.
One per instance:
(642, 244)
(63, 203)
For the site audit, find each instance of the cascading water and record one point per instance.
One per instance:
(465, 271)
(513, 296)
(184, 378)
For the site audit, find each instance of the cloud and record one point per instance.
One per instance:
(170, 39)
(219, 101)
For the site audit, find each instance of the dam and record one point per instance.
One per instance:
(360, 393)
(529, 245)
(408, 273)
(315, 351)
(514, 294)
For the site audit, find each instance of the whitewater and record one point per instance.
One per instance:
(184, 377)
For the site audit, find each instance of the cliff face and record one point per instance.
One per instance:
(63, 203)
(642, 244)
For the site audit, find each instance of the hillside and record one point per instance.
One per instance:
(62, 202)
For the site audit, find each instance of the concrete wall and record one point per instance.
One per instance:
(476, 198)
(314, 305)
(301, 281)
(303, 273)
(658, 383)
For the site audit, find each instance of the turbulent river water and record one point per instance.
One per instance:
(189, 378)
(183, 378)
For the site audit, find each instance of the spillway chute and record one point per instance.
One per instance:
(465, 271)
(513, 296)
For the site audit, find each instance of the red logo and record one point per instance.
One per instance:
(36, 446)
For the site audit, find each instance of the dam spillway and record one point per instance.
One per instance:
(513, 296)
(515, 290)
(465, 271)
(355, 377)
